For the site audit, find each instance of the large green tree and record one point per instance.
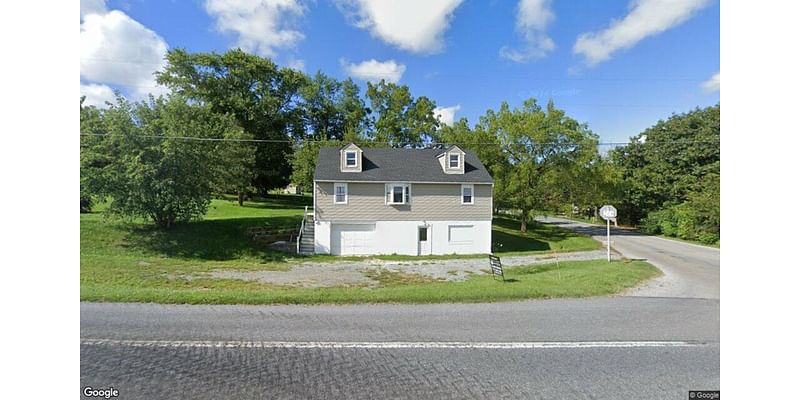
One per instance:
(331, 108)
(400, 119)
(590, 184)
(661, 166)
(146, 167)
(92, 127)
(236, 170)
(264, 99)
(539, 145)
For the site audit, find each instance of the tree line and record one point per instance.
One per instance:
(257, 127)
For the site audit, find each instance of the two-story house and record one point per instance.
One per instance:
(401, 201)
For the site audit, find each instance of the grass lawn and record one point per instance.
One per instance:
(568, 279)
(135, 262)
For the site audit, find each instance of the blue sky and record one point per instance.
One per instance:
(637, 62)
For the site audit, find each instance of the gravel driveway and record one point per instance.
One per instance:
(354, 273)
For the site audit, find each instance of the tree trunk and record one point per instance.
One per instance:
(240, 196)
(523, 221)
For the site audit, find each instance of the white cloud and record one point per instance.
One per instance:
(533, 17)
(446, 115)
(646, 18)
(712, 84)
(97, 95)
(262, 26)
(117, 50)
(296, 63)
(413, 25)
(374, 71)
(93, 7)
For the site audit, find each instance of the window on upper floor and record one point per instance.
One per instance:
(398, 193)
(340, 193)
(467, 194)
(350, 158)
(455, 161)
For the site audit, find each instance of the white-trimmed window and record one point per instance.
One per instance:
(398, 193)
(454, 161)
(340, 193)
(467, 194)
(351, 158)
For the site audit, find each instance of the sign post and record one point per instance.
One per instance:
(608, 213)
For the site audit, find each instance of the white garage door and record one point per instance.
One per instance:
(355, 239)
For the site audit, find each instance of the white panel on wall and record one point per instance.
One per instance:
(461, 234)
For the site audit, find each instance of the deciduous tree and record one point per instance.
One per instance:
(146, 167)
(262, 97)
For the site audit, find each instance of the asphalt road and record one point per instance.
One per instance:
(635, 347)
(657, 342)
(690, 270)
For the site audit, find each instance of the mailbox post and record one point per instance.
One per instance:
(608, 213)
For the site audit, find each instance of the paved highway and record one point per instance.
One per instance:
(600, 348)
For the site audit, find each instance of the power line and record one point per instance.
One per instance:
(291, 141)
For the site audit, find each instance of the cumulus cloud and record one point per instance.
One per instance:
(374, 70)
(262, 26)
(712, 84)
(533, 17)
(97, 95)
(93, 7)
(446, 115)
(646, 18)
(117, 50)
(412, 25)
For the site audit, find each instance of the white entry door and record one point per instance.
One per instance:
(424, 240)
(355, 239)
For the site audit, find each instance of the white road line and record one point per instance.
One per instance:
(386, 345)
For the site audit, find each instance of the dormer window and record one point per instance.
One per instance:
(452, 160)
(455, 161)
(351, 158)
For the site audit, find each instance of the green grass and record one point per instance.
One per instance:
(131, 261)
(568, 279)
(114, 252)
(539, 238)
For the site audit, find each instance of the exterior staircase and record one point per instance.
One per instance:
(305, 244)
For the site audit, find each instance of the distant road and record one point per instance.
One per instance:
(690, 271)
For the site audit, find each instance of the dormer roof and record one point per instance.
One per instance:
(350, 159)
(399, 165)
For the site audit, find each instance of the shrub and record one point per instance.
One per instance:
(690, 220)
(86, 204)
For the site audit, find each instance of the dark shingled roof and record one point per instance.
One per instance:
(399, 165)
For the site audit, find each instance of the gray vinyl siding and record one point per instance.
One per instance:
(429, 201)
